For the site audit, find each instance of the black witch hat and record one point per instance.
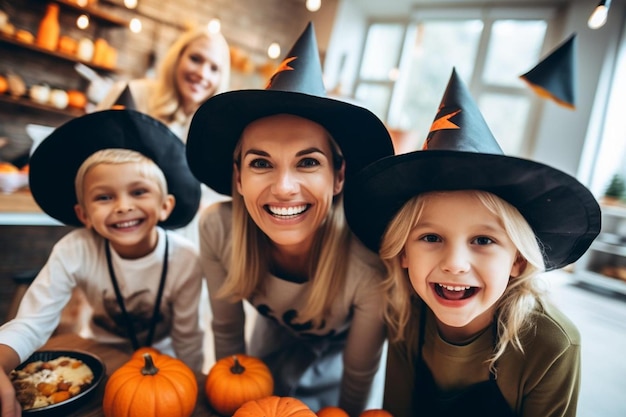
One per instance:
(555, 76)
(462, 154)
(296, 88)
(55, 162)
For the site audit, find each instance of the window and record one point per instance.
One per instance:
(489, 48)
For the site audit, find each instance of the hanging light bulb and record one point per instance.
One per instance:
(130, 4)
(82, 3)
(83, 21)
(214, 25)
(273, 51)
(135, 25)
(599, 15)
(313, 5)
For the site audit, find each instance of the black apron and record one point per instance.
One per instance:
(482, 399)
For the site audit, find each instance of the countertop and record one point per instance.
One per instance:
(19, 208)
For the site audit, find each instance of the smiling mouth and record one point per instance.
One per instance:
(287, 212)
(126, 224)
(455, 292)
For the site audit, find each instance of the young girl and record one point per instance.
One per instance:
(463, 231)
(282, 244)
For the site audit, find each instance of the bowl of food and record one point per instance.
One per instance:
(56, 382)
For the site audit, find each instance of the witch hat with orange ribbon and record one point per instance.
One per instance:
(555, 76)
(460, 153)
(125, 100)
(296, 88)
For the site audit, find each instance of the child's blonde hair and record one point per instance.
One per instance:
(327, 261)
(513, 310)
(165, 101)
(146, 168)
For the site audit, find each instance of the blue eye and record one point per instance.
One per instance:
(483, 240)
(430, 238)
(259, 163)
(309, 163)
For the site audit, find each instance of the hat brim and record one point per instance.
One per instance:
(55, 162)
(562, 212)
(218, 124)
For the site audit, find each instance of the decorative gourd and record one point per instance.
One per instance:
(233, 380)
(376, 412)
(274, 406)
(159, 386)
(332, 411)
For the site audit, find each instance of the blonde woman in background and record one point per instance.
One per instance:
(195, 67)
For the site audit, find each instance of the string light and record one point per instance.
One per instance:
(130, 4)
(273, 51)
(214, 25)
(83, 21)
(135, 25)
(599, 15)
(313, 5)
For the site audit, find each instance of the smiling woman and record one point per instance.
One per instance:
(282, 244)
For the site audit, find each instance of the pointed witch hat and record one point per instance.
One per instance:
(296, 88)
(55, 162)
(462, 154)
(555, 76)
(125, 100)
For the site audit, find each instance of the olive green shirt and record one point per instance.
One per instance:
(543, 381)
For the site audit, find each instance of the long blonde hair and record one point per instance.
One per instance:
(327, 260)
(514, 309)
(165, 103)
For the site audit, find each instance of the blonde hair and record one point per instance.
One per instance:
(327, 260)
(146, 168)
(165, 101)
(514, 309)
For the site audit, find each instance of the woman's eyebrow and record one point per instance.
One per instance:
(309, 151)
(256, 152)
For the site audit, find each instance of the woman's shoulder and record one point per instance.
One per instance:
(216, 219)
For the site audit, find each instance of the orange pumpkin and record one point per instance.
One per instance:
(159, 386)
(233, 380)
(145, 349)
(376, 412)
(76, 99)
(332, 411)
(274, 406)
(4, 84)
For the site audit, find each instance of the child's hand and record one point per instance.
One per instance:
(8, 403)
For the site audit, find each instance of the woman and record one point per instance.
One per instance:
(195, 67)
(282, 244)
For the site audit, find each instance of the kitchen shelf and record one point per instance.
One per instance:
(24, 102)
(94, 12)
(607, 253)
(59, 55)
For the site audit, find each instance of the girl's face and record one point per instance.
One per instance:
(287, 179)
(459, 259)
(123, 207)
(198, 72)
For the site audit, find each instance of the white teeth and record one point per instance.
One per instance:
(287, 211)
(130, 223)
(454, 288)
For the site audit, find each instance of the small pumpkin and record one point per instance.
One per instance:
(156, 386)
(233, 380)
(145, 349)
(376, 412)
(332, 411)
(274, 406)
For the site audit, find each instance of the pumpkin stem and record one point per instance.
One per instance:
(237, 368)
(149, 368)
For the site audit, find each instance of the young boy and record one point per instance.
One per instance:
(124, 176)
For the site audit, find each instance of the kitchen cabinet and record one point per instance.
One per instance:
(38, 66)
(604, 264)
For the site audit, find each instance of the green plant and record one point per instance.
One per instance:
(616, 187)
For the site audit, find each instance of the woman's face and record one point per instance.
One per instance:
(459, 259)
(198, 72)
(287, 179)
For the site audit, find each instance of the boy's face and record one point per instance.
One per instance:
(459, 259)
(124, 207)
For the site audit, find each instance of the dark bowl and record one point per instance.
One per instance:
(72, 404)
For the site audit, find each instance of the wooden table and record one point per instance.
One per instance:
(113, 357)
